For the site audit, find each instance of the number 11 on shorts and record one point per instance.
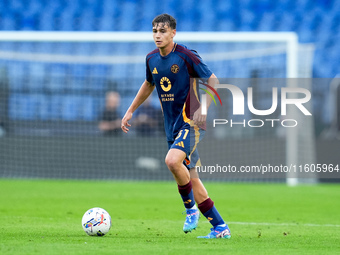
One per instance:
(186, 131)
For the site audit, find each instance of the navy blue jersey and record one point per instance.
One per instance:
(171, 75)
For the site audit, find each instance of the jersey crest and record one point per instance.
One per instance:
(174, 68)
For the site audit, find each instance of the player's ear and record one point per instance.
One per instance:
(173, 33)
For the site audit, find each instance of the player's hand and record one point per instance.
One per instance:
(198, 118)
(125, 122)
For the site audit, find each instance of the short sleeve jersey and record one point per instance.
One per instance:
(171, 75)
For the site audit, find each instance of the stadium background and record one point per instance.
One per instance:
(49, 113)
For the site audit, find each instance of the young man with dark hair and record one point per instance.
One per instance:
(169, 69)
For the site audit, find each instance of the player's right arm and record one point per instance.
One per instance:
(143, 93)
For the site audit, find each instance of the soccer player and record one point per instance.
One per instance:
(169, 69)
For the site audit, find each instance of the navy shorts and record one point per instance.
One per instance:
(187, 140)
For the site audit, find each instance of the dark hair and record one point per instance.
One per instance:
(166, 19)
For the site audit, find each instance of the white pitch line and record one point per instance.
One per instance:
(271, 224)
(284, 224)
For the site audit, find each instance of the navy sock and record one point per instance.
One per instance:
(187, 195)
(208, 209)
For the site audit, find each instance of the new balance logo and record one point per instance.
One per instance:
(155, 71)
(180, 144)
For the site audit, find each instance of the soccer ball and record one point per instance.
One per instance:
(96, 222)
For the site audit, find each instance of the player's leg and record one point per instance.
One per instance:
(200, 193)
(175, 160)
(206, 206)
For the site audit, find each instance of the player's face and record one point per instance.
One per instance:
(163, 35)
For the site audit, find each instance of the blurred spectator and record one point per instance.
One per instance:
(110, 119)
(149, 119)
(2, 129)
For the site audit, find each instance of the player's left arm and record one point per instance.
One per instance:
(199, 118)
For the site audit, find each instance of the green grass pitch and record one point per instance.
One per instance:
(44, 217)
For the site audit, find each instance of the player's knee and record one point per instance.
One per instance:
(172, 163)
